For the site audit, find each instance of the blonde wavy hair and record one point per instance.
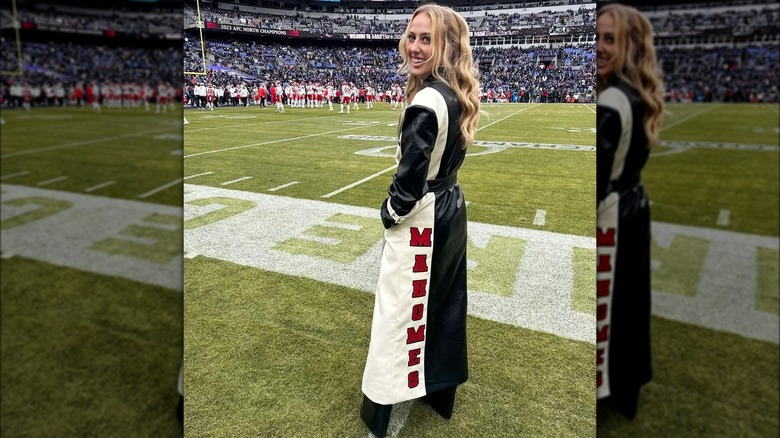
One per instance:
(452, 63)
(635, 62)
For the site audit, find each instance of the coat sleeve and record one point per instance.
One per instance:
(418, 136)
(608, 133)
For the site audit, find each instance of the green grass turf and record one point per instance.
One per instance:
(706, 383)
(284, 355)
(274, 355)
(692, 187)
(768, 292)
(140, 151)
(301, 145)
(86, 354)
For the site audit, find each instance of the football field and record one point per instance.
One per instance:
(281, 256)
(713, 184)
(282, 243)
(91, 272)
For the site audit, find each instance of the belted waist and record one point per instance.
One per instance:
(623, 186)
(443, 183)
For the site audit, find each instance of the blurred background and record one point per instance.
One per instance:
(712, 181)
(90, 187)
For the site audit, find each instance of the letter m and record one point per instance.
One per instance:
(418, 239)
(413, 335)
(605, 239)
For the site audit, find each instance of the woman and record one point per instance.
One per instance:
(418, 334)
(629, 112)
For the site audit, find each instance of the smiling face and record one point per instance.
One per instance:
(605, 46)
(419, 50)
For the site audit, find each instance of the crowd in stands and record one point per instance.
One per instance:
(535, 74)
(581, 20)
(100, 20)
(722, 74)
(736, 70)
(725, 52)
(732, 22)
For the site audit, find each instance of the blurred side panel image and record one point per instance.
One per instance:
(90, 224)
(691, 349)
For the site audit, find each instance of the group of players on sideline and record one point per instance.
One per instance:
(295, 95)
(24, 93)
(303, 94)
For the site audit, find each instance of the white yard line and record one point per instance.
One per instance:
(53, 180)
(227, 183)
(275, 141)
(160, 189)
(513, 114)
(99, 186)
(685, 119)
(79, 143)
(723, 217)
(368, 178)
(398, 417)
(540, 216)
(14, 175)
(283, 186)
(200, 174)
(588, 107)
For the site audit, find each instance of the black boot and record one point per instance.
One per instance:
(442, 401)
(376, 416)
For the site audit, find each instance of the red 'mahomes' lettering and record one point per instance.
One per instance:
(602, 333)
(417, 312)
(601, 312)
(602, 288)
(418, 288)
(414, 379)
(605, 239)
(415, 335)
(418, 239)
(414, 357)
(604, 265)
(420, 263)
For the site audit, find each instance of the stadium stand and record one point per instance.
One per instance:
(533, 51)
(67, 47)
(718, 51)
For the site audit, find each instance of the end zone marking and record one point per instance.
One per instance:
(283, 186)
(227, 183)
(160, 189)
(368, 178)
(200, 174)
(539, 218)
(723, 217)
(99, 186)
(14, 175)
(53, 180)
